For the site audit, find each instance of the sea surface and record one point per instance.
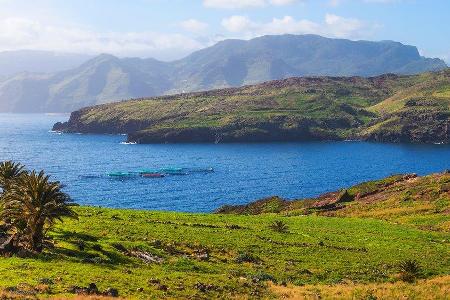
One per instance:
(242, 172)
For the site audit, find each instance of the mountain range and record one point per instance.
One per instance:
(230, 63)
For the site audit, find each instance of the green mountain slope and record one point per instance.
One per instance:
(419, 113)
(230, 63)
(384, 108)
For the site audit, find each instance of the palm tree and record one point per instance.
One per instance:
(9, 171)
(279, 226)
(34, 204)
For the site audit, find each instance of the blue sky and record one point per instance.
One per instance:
(170, 29)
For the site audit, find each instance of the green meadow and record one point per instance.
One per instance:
(220, 256)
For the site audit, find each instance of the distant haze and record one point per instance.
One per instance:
(13, 62)
(69, 82)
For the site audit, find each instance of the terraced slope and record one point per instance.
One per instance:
(384, 108)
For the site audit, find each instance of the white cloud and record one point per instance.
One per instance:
(336, 3)
(333, 25)
(239, 24)
(282, 2)
(433, 54)
(237, 4)
(194, 25)
(343, 27)
(232, 4)
(20, 33)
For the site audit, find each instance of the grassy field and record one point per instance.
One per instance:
(383, 239)
(210, 256)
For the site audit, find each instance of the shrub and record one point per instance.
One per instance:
(97, 247)
(279, 226)
(81, 245)
(261, 276)
(247, 257)
(409, 270)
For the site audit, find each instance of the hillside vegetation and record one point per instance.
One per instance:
(421, 202)
(387, 239)
(385, 108)
(229, 63)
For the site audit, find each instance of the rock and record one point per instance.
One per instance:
(344, 196)
(145, 256)
(202, 287)
(163, 287)
(92, 288)
(202, 255)
(111, 292)
(154, 281)
(47, 281)
(59, 126)
(445, 188)
(410, 176)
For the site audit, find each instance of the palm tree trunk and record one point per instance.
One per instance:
(37, 237)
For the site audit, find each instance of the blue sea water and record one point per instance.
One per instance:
(243, 172)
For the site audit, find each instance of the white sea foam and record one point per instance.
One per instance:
(55, 132)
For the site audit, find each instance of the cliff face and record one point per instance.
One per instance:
(387, 108)
(278, 129)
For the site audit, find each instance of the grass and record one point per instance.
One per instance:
(384, 108)
(385, 233)
(209, 255)
(421, 202)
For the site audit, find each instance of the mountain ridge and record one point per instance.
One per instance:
(229, 63)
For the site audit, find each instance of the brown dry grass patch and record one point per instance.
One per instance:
(436, 288)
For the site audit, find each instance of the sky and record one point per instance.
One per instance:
(171, 29)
